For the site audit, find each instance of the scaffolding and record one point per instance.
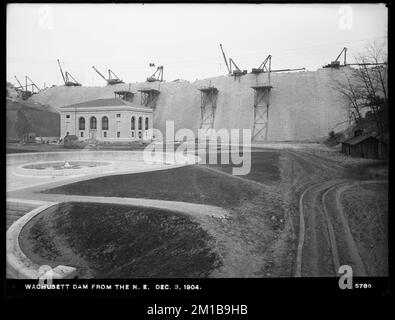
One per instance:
(149, 97)
(261, 112)
(208, 106)
(124, 95)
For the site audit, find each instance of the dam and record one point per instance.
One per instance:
(293, 106)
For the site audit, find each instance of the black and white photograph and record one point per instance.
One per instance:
(166, 148)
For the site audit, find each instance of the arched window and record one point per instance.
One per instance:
(133, 123)
(93, 123)
(104, 123)
(81, 123)
(140, 123)
(146, 123)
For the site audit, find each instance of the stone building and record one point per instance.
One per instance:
(108, 120)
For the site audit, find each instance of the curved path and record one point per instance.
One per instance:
(192, 209)
(325, 238)
(316, 247)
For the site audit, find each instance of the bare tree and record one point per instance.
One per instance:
(365, 88)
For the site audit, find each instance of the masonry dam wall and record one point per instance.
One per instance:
(304, 106)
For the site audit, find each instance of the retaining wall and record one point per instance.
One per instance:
(20, 158)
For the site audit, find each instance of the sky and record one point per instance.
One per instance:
(184, 38)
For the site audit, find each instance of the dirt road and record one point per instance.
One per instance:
(325, 239)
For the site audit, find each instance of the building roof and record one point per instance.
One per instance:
(109, 102)
(358, 139)
(98, 103)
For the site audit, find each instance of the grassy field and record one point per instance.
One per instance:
(114, 241)
(189, 184)
(264, 167)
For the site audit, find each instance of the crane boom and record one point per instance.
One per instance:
(32, 84)
(336, 63)
(66, 75)
(61, 71)
(345, 54)
(263, 64)
(226, 62)
(69, 75)
(99, 73)
(281, 70)
(20, 84)
(231, 60)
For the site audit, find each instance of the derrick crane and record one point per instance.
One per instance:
(226, 61)
(110, 80)
(66, 78)
(237, 71)
(26, 93)
(157, 75)
(336, 63)
(20, 84)
(265, 66)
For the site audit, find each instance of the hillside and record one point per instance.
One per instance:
(28, 116)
